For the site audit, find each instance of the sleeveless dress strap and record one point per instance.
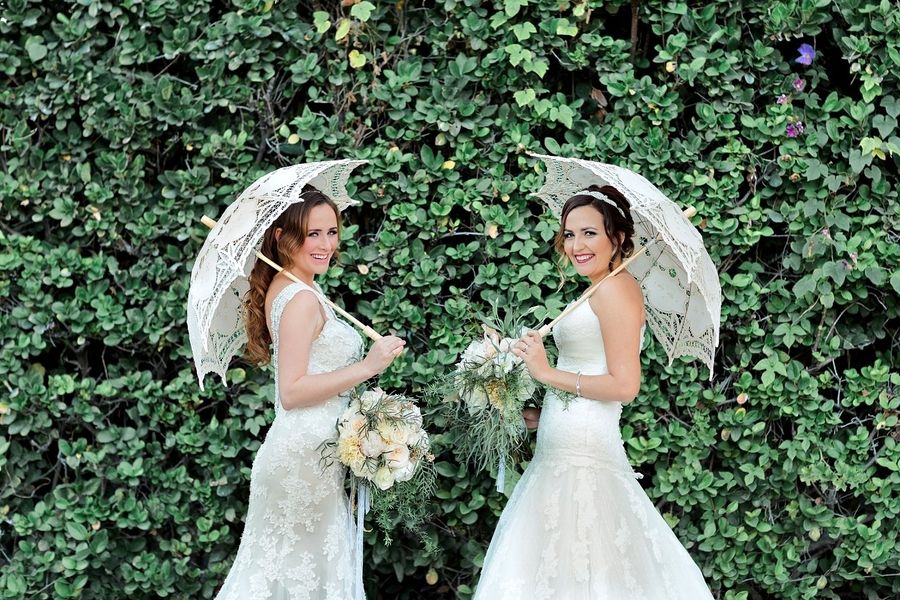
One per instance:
(329, 312)
(285, 296)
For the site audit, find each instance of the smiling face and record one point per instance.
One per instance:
(586, 244)
(321, 241)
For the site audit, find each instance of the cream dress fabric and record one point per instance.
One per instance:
(297, 540)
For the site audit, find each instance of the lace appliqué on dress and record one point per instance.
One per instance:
(297, 540)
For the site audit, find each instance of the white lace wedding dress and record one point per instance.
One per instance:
(298, 538)
(578, 526)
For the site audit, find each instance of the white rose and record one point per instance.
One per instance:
(354, 425)
(371, 444)
(416, 437)
(397, 456)
(393, 434)
(383, 478)
(364, 468)
(406, 472)
(489, 348)
(412, 414)
(370, 398)
(473, 354)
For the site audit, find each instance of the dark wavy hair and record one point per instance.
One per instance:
(294, 224)
(614, 223)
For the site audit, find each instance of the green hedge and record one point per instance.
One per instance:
(124, 122)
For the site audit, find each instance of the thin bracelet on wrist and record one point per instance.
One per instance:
(578, 384)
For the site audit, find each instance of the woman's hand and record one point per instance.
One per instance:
(531, 416)
(382, 353)
(530, 348)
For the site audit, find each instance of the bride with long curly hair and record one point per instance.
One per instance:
(297, 539)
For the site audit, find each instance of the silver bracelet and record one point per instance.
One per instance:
(578, 384)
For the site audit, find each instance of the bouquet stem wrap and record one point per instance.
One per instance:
(501, 473)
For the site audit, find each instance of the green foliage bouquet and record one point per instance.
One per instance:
(488, 390)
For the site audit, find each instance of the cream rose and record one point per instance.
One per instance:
(370, 398)
(371, 444)
(406, 472)
(383, 478)
(397, 456)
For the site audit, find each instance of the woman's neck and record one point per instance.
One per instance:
(601, 275)
(307, 278)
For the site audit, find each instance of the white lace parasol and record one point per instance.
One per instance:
(219, 277)
(683, 298)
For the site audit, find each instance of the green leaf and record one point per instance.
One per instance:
(859, 160)
(77, 531)
(343, 29)
(84, 172)
(815, 170)
(357, 59)
(876, 275)
(511, 7)
(892, 105)
(524, 97)
(885, 125)
(538, 67)
(832, 102)
(523, 31)
(362, 11)
(321, 21)
(445, 469)
(804, 286)
(35, 48)
(517, 54)
(564, 27)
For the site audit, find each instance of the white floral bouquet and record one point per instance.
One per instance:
(490, 387)
(383, 444)
(381, 439)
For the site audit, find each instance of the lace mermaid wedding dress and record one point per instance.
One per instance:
(298, 539)
(578, 526)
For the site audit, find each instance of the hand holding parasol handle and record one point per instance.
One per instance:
(543, 331)
(370, 333)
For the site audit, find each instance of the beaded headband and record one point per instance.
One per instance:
(603, 198)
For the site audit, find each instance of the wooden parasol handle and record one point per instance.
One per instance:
(370, 333)
(689, 212)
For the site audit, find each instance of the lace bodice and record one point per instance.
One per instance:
(585, 429)
(337, 346)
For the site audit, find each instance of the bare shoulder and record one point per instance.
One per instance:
(302, 307)
(621, 296)
(303, 304)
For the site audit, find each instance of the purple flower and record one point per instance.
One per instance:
(794, 129)
(799, 84)
(782, 99)
(807, 54)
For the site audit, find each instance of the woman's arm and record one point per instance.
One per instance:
(619, 304)
(300, 324)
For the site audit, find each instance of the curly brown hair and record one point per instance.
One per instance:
(614, 223)
(294, 225)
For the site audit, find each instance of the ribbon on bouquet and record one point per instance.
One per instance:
(501, 473)
(362, 507)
